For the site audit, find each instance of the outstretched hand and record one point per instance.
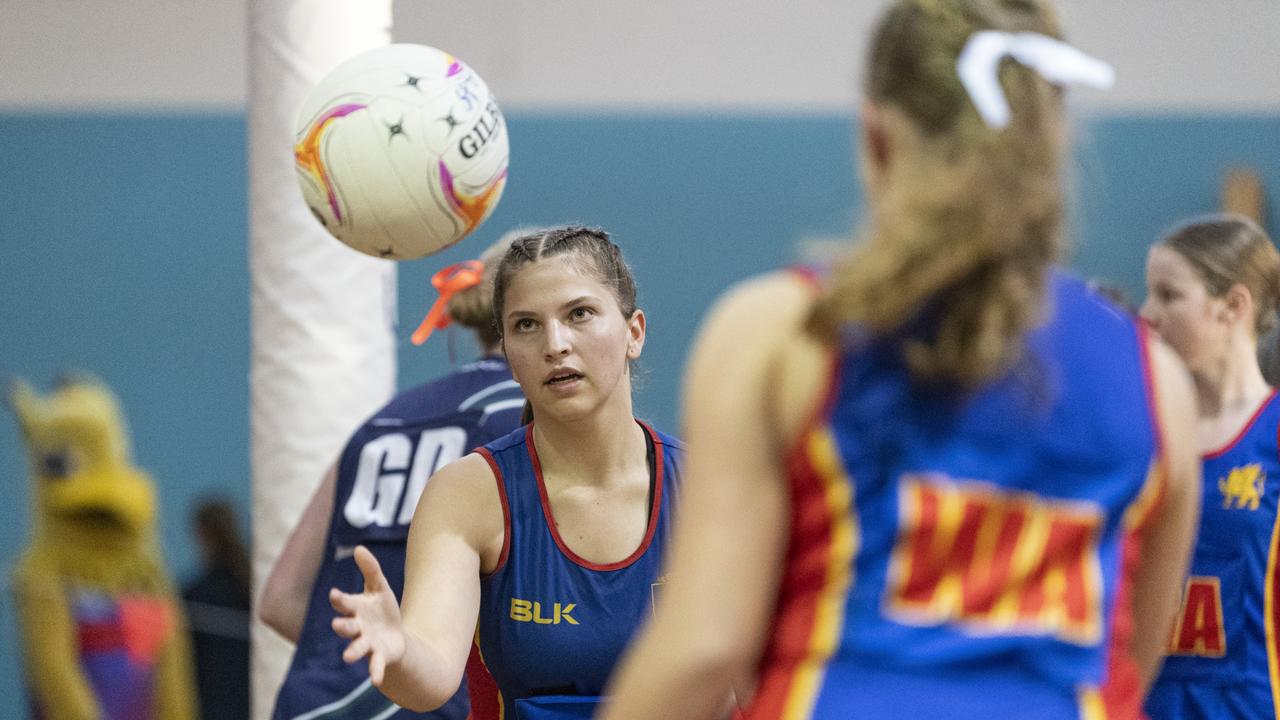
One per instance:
(370, 620)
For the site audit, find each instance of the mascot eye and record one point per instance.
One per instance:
(57, 464)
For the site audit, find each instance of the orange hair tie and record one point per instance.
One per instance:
(449, 282)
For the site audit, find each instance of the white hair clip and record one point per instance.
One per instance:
(1053, 60)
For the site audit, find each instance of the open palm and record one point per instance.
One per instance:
(370, 620)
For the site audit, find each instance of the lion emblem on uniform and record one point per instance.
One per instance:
(1242, 488)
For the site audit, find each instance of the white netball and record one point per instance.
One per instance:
(401, 151)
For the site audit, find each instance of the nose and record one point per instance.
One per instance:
(1148, 312)
(557, 342)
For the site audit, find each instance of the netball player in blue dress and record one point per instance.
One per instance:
(553, 535)
(1212, 291)
(944, 480)
(368, 498)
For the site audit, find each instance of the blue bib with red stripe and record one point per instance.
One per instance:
(1222, 660)
(552, 623)
(967, 556)
(120, 640)
(381, 473)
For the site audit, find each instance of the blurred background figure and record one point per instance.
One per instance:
(102, 632)
(1213, 287)
(217, 603)
(433, 423)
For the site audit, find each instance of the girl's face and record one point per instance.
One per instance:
(1180, 308)
(566, 339)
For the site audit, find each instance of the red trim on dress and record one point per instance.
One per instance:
(1275, 599)
(812, 533)
(659, 472)
(486, 699)
(820, 412)
(549, 517)
(796, 612)
(1243, 431)
(1120, 692)
(506, 512)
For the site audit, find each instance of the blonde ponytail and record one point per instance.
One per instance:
(960, 242)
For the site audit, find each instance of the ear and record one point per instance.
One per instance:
(1238, 305)
(23, 401)
(635, 334)
(875, 139)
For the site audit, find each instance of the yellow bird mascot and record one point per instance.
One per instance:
(102, 631)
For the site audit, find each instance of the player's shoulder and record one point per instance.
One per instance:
(471, 386)
(512, 441)
(1266, 424)
(663, 439)
(756, 345)
(465, 480)
(670, 451)
(464, 471)
(757, 316)
(462, 496)
(774, 306)
(784, 297)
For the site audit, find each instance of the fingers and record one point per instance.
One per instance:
(357, 649)
(360, 647)
(342, 602)
(374, 581)
(346, 627)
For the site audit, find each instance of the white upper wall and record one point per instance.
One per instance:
(656, 55)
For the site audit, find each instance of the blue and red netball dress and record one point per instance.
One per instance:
(970, 556)
(381, 473)
(1222, 660)
(119, 639)
(552, 625)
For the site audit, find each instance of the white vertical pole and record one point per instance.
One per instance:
(323, 346)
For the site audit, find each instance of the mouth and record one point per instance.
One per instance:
(562, 376)
(94, 517)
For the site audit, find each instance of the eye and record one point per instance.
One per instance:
(523, 324)
(57, 464)
(580, 313)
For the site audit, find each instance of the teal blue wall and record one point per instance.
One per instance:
(1136, 176)
(124, 253)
